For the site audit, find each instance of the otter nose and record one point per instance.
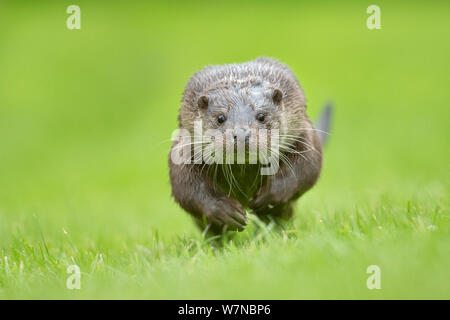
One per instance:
(241, 134)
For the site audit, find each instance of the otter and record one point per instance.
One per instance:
(241, 100)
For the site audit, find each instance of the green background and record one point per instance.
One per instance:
(86, 117)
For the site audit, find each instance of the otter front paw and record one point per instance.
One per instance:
(226, 214)
(267, 201)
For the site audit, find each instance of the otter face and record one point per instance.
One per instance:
(241, 113)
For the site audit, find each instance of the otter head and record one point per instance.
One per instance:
(241, 113)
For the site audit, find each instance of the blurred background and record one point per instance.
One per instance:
(86, 115)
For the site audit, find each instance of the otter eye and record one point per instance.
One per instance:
(260, 117)
(221, 119)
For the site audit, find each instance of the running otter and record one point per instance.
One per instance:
(239, 100)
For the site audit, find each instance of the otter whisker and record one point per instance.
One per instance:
(235, 180)
(290, 150)
(314, 129)
(302, 141)
(286, 160)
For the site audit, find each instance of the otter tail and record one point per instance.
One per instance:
(323, 124)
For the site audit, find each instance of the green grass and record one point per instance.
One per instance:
(84, 116)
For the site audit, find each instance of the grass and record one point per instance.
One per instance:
(83, 163)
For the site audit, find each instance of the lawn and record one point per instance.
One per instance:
(86, 117)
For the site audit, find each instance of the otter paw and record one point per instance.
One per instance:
(265, 202)
(226, 214)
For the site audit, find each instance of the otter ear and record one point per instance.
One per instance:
(203, 102)
(277, 96)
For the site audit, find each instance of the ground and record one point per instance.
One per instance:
(85, 123)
